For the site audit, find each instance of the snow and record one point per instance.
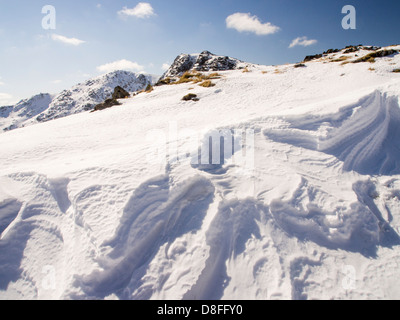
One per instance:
(112, 204)
(80, 98)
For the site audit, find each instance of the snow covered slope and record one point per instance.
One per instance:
(24, 110)
(80, 98)
(305, 205)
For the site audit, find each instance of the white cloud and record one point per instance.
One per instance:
(165, 67)
(142, 10)
(56, 81)
(71, 41)
(302, 41)
(5, 99)
(120, 65)
(244, 22)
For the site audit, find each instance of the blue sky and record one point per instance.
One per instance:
(95, 36)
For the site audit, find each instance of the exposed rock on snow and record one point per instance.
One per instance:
(377, 54)
(120, 93)
(205, 61)
(108, 103)
(313, 57)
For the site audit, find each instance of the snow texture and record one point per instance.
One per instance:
(297, 197)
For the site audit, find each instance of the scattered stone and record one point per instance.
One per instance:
(190, 97)
(300, 65)
(106, 104)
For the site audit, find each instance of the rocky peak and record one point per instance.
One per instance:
(205, 61)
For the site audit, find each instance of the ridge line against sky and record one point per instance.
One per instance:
(99, 36)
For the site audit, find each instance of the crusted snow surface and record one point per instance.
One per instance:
(122, 204)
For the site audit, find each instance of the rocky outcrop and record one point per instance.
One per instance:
(120, 93)
(203, 62)
(377, 54)
(331, 51)
(313, 57)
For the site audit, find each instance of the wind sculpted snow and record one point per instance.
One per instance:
(113, 205)
(363, 136)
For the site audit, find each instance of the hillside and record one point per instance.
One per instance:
(80, 98)
(133, 202)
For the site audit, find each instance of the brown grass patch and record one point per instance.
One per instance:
(340, 59)
(198, 77)
(149, 88)
(207, 84)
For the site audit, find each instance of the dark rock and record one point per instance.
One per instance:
(373, 48)
(106, 104)
(331, 51)
(300, 65)
(351, 50)
(190, 96)
(120, 93)
(310, 58)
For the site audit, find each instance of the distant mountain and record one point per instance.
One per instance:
(13, 117)
(205, 61)
(82, 97)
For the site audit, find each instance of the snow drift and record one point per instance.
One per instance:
(113, 205)
(364, 136)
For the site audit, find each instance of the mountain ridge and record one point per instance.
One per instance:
(79, 98)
